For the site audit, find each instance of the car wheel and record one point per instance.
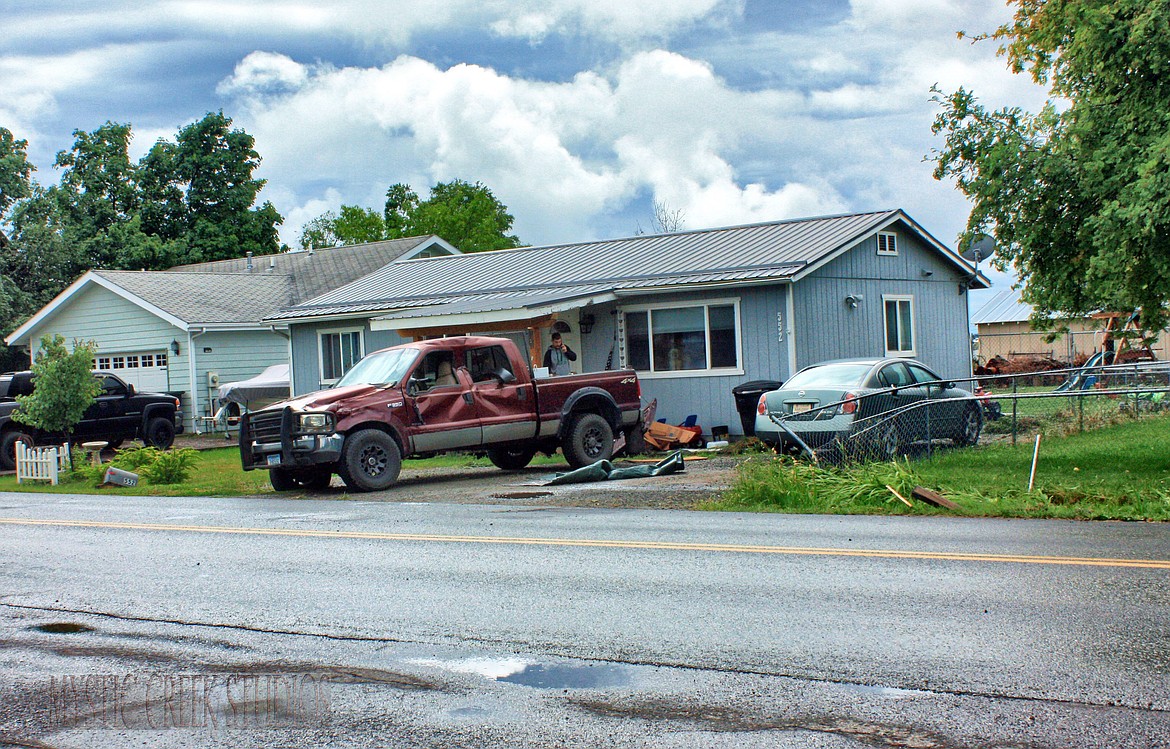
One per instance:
(511, 458)
(886, 442)
(590, 439)
(8, 447)
(160, 433)
(970, 425)
(370, 461)
(288, 479)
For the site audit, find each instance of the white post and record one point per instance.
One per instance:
(1035, 457)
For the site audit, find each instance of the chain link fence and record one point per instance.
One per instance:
(917, 418)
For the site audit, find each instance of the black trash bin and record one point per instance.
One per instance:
(747, 395)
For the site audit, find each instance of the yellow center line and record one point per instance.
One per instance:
(1157, 564)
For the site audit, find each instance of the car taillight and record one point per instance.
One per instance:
(850, 404)
(762, 406)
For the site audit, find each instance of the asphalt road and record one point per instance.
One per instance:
(361, 623)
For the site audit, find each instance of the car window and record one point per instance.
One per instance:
(436, 370)
(112, 386)
(828, 376)
(484, 363)
(895, 375)
(922, 374)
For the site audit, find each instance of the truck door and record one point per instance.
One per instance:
(107, 417)
(506, 407)
(444, 408)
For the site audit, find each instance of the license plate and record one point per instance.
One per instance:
(274, 460)
(799, 408)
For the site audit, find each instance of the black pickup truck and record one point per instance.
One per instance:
(118, 414)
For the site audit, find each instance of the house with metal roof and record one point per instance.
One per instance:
(185, 329)
(695, 312)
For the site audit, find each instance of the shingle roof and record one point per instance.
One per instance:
(1005, 306)
(207, 298)
(314, 273)
(780, 249)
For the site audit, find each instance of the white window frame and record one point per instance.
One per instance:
(891, 242)
(896, 298)
(321, 359)
(706, 304)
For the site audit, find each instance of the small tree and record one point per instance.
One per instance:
(64, 387)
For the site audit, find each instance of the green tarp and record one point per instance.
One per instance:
(603, 470)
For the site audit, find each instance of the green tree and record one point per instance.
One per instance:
(318, 232)
(15, 171)
(65, 387)
(201, 189)
(466, 215)
(1077, 195)
(401, 202)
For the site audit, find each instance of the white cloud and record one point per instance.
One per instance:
(558, 154)
(264, 72)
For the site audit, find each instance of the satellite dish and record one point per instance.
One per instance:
(981, 248)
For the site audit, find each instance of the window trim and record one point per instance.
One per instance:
(321, 359)
(706, 304)
(913, 351)
(892, 241)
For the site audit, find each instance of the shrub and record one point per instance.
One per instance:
(170, 466)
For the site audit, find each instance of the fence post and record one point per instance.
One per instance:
(1015, 401)
(1081, 408)
(929, 442)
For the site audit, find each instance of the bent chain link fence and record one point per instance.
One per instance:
(918, 419)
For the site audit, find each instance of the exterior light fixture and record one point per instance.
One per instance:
(175, 347)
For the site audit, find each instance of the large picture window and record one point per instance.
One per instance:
(340, 350)
(899, 320)
(689, 338)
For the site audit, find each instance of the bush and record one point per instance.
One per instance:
(170, 467)
(154, 465)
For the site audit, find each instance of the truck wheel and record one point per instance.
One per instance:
(370, 461)
(590, 439)
(8, 447)
(160, 433)
(287, 480)
(970, 425)
(511, 458)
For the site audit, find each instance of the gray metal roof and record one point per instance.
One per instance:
(779, 249)
(1005, 306)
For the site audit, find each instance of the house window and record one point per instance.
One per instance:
(103, 362)
(119, 362)
(147, 361)
(899, 320)
(160, 360)
(131, 362)
(693, 338)
(887, 243)
(340, 350)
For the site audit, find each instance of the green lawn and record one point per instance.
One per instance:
(217, 472)
(1116, 472)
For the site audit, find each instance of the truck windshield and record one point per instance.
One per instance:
(380, 368)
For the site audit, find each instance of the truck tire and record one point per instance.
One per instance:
(160, 433)
(511, 458)
(8, 447)
(370, 461)
(288, 479)
(589, 440)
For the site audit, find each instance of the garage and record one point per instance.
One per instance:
(146, 371)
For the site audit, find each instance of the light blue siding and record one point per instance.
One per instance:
(120, 326)
(827, 328)
(306, 349)
(763, 346)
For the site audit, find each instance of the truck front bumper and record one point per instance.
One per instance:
(267, 441)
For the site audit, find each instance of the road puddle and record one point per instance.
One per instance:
(62, 628)
(555, 675)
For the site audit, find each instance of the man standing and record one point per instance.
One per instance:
(558, 356)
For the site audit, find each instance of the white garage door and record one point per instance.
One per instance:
(147, 371)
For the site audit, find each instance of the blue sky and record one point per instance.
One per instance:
(576, 113)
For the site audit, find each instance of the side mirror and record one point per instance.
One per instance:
(129, 389)
(505, 377)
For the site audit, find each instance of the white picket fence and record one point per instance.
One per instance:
(43, 463)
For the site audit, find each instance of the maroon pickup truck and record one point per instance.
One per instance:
(465, 393)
